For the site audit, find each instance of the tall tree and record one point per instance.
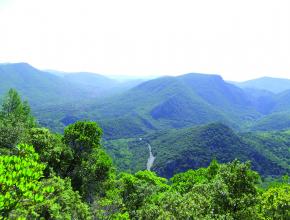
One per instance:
(15, 120)
(16, 110)
(91, 166)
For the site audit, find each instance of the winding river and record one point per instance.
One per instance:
(151, 158)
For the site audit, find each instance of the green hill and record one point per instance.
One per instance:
(171, 102)
(275, 121)
(282, 102)
(278, 113)
(263, 101)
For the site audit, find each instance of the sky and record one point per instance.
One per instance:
(237, 39)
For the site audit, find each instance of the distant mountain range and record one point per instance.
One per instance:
(168, 112)
(176, 102)
(43, 88)
(275, 85)
(162, 103)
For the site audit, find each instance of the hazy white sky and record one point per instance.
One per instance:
(238, 39)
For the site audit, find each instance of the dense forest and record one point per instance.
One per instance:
(45, 175)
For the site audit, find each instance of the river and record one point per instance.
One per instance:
(151, 158)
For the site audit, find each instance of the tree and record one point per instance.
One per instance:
(137, 190)
(83, 136)
(91, 167)
(15, 120)
(241, 183)
(16, 110)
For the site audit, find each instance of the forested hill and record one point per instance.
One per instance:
(168, 102)
(178, 150)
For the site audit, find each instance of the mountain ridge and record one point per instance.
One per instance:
(272, 84)
(161, 103)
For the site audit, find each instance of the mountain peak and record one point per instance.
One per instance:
(19, 67)
(16, 64)
(202, 75)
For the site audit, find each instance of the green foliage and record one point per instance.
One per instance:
(51, 149)
(82, 137)
(241, 184)
(137, 189)
(65, 203)
(221, 191)
(183, 182)
(21, 191)
(13, 107)
(24, 193)
(273, 122)
(271, 145)
(90, 166)
(122, 155)
(275, 202)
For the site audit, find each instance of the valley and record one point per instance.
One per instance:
(188, 120)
